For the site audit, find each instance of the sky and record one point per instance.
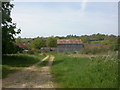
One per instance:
(45, 19)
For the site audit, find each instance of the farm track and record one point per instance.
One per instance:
(31, 77)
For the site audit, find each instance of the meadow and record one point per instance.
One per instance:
(84, 72)
(70, 70)
(15, 62)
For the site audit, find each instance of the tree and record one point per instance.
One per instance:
(37, 43)
(51, 42)
(8, 29)
(18, 40)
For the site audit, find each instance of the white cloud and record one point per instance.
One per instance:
(83, 5)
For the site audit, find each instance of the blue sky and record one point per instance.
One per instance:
(64, 18)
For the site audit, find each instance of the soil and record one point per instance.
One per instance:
(31, 77)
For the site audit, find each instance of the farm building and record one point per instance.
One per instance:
(48, 49)
(22, 45)
(69, 45)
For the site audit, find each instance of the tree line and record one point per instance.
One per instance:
(9, 30)
(38, 42)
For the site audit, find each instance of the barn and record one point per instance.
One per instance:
(69, 45)
(22, 45)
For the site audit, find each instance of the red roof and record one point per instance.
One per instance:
(21, 45)
(69, 42)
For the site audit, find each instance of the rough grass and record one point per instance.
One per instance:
(44, 63)
(7, 70)
(14, 62)
(97, 72)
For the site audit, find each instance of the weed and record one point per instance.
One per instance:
(71, 72)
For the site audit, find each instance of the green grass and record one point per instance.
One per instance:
(7, 70)
(70, 72)
(44, 63)
(15, 62)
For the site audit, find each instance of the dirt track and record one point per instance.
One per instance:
(31, 77)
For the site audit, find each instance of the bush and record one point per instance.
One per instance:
(114, 47)
(11, 49)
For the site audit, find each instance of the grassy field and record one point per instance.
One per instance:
(14, 62)
(83, 72)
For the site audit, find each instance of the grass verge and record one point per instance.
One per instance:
(71, 72)
(44, 63)
(15, 62)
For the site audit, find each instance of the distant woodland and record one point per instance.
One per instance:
(9, 30)
(86, 39)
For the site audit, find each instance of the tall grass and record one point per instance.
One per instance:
(97, 72)
(94, 50)
(20, 60)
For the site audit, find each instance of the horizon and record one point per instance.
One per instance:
(65, 36)
(45, 19)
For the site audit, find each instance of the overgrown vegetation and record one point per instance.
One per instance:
(94, 50)
(96, 72)
(8, 30)
(100, 39)
(37, 43)
(14, 62)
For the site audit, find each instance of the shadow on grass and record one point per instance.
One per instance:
(44, 63)
(18, 60)
(13, 63)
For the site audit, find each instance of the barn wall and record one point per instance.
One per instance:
(69, 47)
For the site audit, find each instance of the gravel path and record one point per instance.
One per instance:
(31, 77)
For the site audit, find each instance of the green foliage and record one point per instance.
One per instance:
(23, 40)
(92, 39)
(94, 50)
(51, 42)
(18, 40)
(12, 49)
(19, 60)
(98, 72)
(37, 43)
(114, 47)
(44, 63)
(8, 28)
(14, 62)
(105, 42)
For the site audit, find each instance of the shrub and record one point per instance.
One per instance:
(12, 49)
